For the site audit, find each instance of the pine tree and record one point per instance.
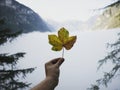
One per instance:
(9, 73)
(113, 56)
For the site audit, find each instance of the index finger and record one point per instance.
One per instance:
(54, 61)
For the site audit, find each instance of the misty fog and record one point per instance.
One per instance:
(79, 70)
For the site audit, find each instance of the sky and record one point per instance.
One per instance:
(63, 10)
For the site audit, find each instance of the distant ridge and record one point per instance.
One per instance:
(19, 17)
(110, 18)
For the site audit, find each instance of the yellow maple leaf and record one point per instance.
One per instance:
(62, 40)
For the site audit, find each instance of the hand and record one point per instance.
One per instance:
(52, 75)
(52, 69)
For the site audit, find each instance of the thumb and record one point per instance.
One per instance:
(59, 62)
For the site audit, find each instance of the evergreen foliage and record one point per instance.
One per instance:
(10, 75)
(113, 56)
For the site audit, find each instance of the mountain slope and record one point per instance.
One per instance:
(20, 17)
(110, 18)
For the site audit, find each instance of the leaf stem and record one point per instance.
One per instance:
(63, 53)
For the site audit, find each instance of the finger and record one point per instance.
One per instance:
(59, 62)
(54, 61)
